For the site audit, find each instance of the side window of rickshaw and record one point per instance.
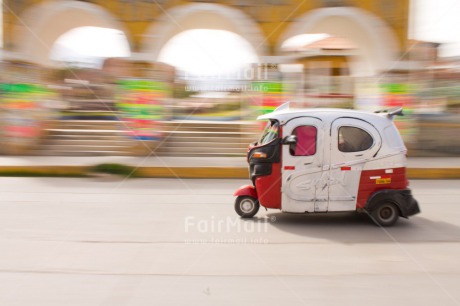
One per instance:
(270, 132)
(306, 141)
(353, 139)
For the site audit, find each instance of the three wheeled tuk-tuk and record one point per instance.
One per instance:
(329, 160)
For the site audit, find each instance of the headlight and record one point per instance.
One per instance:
(259, 155)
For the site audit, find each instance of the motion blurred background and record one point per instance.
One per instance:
(188, 78)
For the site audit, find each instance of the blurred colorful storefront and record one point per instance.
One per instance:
(141, 105)
(26, 107)
(399, 94)
(267, 97)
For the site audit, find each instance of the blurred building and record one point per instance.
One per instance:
(377, 28)
(373, 33)
(365, 62)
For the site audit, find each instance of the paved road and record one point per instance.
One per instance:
(176, 242)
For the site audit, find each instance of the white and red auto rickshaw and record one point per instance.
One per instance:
(329, 160)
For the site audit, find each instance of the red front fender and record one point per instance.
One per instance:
(247, 190)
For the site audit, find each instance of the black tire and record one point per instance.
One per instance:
(385, 213)
(246, 207)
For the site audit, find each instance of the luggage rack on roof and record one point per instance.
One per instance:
(396, 111)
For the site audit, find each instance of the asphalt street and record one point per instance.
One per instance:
(175, 242)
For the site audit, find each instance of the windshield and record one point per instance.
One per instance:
(270, 132)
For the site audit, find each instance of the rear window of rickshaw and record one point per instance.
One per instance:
(353, 139)
(270, 132)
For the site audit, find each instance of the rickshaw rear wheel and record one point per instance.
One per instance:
(385, 213)
(246, 207)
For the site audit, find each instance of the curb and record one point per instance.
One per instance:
(433, 173)
(45, 171)
(189, 172)
(193, 172)
(141, 172)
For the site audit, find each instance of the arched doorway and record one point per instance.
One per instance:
(210, 57)
(89, 47)
(202, 16)
(219, 98)
(377, 47)
(344, 67)
(44, 23)
(214, 69)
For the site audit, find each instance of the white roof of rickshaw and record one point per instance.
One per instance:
(283, 114)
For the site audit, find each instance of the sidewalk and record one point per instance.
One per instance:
(187, 167)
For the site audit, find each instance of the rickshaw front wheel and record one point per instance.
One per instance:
(246, 207)
(385, 214)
